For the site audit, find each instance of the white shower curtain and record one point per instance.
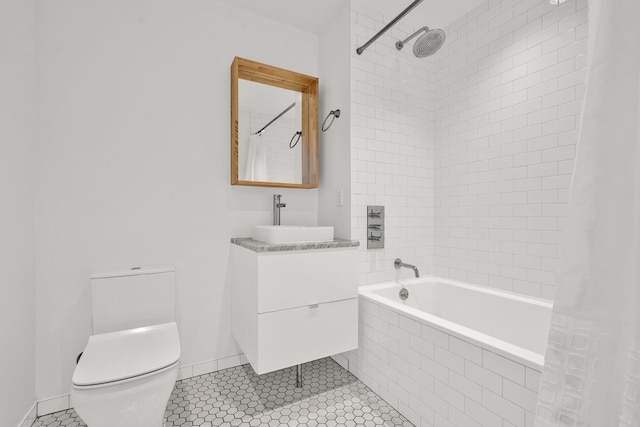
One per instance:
(591, 376)
(256, 169)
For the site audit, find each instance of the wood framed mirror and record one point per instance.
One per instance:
(274, 126)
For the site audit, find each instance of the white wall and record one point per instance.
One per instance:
(392, 143)
(511, 79)
(17, 220)
(134, 161)
(335, 143)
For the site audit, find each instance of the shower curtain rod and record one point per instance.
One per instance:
(276, 118)
(389, 25)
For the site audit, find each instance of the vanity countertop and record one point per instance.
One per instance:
(257, 246)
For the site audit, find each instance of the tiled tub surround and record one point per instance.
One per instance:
(510, 86)
(393, 96)
(471, 149)
(468, 356)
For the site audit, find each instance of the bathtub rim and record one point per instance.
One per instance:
(505, 349)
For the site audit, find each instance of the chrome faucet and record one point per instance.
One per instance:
(277, 204)
(398, 263)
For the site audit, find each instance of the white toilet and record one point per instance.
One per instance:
(130, 364)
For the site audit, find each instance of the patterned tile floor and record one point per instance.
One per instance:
(330, 396)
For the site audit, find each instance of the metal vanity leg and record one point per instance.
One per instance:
(299, 376)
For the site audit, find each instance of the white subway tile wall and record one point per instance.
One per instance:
(392, 143)
(435, 379)
(471, 149)
(511, 80)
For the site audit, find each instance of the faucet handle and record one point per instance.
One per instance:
(276, 201)
(373, 238)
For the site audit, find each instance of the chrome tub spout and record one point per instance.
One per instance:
(398, 264)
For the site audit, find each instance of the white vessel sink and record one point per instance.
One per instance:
(291, 234)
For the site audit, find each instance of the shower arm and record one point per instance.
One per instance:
(400, 43)
(389, 25)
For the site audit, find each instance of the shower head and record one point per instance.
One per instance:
(427, 44)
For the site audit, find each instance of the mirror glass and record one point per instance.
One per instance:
(274, 126)
(270, 122)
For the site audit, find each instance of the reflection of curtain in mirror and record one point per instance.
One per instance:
(256, 160)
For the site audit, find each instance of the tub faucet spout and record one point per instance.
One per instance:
(398, 264)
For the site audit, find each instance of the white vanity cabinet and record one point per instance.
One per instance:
(293, 306)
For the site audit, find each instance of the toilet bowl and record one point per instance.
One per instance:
(127, 370)
(125, 378)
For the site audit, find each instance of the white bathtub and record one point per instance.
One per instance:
(454, 354)
(509, 324)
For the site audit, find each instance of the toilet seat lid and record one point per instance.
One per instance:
(120, 355)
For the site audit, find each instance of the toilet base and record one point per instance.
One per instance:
(136, 402)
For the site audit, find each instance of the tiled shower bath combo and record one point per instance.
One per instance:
(470, 150)
(480, 139)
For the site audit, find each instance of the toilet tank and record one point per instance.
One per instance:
(132, 299)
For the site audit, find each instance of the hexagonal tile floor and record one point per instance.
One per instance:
(330, 396)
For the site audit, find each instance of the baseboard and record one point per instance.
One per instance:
(213, 365)
(53, 404)
(342, 360)
(63, 402)
(30, 417)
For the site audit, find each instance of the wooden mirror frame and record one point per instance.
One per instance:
(274, 76)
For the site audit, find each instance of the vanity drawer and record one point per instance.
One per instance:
(301, 278)
(299, 335)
